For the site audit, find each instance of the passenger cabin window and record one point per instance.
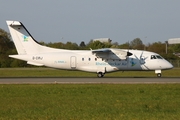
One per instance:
(95, 59)
(82, 59)
(89, 59)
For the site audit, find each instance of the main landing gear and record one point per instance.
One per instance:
(100, 74)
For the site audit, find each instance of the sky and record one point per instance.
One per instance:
(83, 20)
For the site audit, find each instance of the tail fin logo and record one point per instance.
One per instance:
(25, 38)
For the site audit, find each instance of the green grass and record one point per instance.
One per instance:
(89, 101)
(48, 72)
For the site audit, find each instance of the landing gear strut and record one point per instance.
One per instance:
(100, 74)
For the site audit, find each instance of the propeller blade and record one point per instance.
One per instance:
(136, 57)
(141, 55)
(141, 60)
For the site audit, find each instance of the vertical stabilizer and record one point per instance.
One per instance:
(24, 42)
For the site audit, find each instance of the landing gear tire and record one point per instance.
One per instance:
(159, 75)
(100, 74)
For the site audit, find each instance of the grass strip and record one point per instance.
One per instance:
(90, 101)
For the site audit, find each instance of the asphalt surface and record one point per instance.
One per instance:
(88, 80)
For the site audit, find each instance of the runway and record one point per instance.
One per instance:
(88, 80)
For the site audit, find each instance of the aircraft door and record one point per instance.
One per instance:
(73, 62)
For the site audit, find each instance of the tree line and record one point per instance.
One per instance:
(7, 47)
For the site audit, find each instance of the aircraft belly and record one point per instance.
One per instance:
(97, 69)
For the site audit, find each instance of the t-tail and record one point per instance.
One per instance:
(23, 40)
(26, 46)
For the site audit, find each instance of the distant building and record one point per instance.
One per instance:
(107, 40)
(174, 41)
(177, 54)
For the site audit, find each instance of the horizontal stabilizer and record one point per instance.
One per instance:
(12, 23)
(26, 58)
(20, 57)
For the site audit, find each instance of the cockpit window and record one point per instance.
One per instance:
(156, 57)
(153, 57)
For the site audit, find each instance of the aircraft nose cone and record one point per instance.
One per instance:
(169, 66)
(166, 65)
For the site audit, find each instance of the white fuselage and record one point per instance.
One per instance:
(85, 60)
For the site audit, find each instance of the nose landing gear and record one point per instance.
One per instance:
(159, 75)
(158, 72)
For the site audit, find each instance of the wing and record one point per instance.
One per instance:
(111, 53)
(101, 51)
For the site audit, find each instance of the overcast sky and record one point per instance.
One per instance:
(82, 20)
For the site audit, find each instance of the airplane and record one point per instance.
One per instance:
(100, 61)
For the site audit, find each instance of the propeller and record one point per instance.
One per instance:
(142, 61)
(141, 58)
(128, 54)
